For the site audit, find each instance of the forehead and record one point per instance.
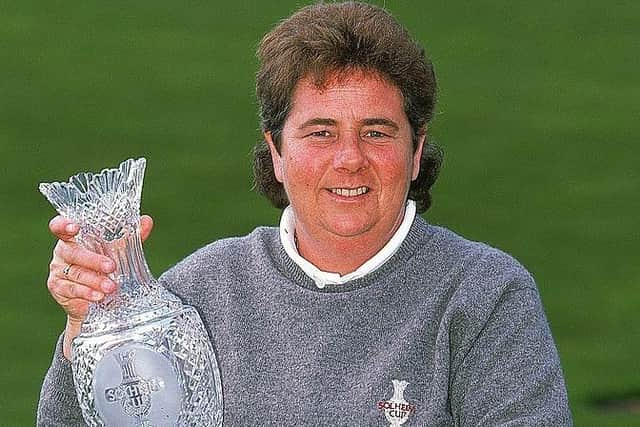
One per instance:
(329, 77)
(356, 91)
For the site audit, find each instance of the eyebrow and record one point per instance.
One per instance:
(381, 122)
(318, 121)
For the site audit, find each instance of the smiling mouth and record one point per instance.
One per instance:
(350, 192)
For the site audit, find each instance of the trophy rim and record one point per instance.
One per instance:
(140, 161)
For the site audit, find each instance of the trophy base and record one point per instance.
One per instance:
(161, 372)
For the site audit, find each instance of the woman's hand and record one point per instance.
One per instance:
(78, 277)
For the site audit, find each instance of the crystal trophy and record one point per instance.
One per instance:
(142, 358)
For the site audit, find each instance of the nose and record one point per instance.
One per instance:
(350, 155)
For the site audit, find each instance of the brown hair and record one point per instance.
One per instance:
(339, 37)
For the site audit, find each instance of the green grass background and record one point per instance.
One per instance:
(538, 115)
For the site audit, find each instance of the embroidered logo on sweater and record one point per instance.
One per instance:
(396, 409)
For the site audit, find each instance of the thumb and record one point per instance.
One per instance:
(146, 225)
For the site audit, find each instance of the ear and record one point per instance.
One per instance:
(276, 159)
(417, 156)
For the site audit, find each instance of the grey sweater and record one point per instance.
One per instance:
(447, 332)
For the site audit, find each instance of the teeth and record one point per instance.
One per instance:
(348, 192)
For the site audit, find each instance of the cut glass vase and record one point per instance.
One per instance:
(142, 358)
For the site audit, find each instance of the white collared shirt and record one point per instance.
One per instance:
(323, 278)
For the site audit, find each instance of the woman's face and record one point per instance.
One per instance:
(346, 157)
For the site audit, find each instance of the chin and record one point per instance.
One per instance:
(348, 227)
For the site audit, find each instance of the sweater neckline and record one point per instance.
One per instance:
(323, 278)
(418, 234)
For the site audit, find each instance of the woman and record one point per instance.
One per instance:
(354, 311)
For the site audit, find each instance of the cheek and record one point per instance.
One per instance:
(394, 168)
(302, 170)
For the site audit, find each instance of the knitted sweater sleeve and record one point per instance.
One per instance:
(511, 375)
(58, 405)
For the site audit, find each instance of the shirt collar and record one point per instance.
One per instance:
(323, 278)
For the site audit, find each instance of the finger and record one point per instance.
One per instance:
(64, 290)
(146, 225)
(90, 278)
(77, 310)
(72, 253)
(63, 228)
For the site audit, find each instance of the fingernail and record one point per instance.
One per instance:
(108, 286)
(97, 296)
(71, 228)
(107, 266)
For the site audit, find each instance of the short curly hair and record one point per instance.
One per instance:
(325, 38)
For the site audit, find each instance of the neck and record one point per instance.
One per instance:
(343, 254)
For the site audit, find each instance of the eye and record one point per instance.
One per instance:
(375, 134)
(321, 133)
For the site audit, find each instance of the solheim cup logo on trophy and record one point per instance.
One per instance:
(134, 393)
(143, 358)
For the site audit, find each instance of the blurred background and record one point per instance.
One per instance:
(537, 114)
